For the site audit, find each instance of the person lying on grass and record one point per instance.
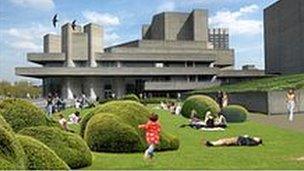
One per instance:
(152, 128)
(244, 140)
(209, 122)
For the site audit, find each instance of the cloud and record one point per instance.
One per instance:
(104, 19)
(238, 22)
(36, 4)
(25, 38)
(167, 6)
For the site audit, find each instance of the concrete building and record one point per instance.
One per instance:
(172, 56)
(219, 38)
(284, 37)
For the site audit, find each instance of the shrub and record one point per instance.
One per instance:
(114, 128)
(68, 146)
(201, 104)
(4, 124)
(39, 156)
(131, 97)
(20, 114)
(235, 113)
(12, 156)
(106, 132)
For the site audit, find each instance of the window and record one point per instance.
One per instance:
(192, 78)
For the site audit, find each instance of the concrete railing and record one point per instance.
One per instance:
(178, 85)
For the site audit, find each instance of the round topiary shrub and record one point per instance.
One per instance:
(69, 147)
(113, 127)
(131, 97)
(12, 156)
(4, 124)
(21, 114)
(201, 104)
(235, 113)
(106, 132)
(39, 156)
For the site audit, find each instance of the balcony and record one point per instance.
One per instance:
(180, 85)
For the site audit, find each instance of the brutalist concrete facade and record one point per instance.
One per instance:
(284, 37)
(172, 56)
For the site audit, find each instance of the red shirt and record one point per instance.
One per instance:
(152, 132)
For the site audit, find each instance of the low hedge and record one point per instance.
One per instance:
(39, 156)
(201, 104)
(21, 114)
(130, 97)
(113, 127)
(4, 124)
(12, 156)
(69, 147)
(235, 113)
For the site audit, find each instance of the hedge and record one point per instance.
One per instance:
(4, 124)
(113, 127)
(131, 97)
(12, 156)
(201, 104)
(68, 146)
(106, 132)
(21, 114)
(235, 113)
(39, 156)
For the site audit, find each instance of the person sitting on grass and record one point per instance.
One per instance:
(63, 122)
(74, 118)
(221, 121)
(236, 141)
(152, 129)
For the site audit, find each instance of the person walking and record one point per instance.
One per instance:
(290, 99)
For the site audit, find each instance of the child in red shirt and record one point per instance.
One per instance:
(152, 128)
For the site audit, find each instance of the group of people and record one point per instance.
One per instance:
(174, 108)
(74, 118)
(54, 104)
(82, 101)
(210, 121)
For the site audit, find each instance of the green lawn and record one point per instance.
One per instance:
(281, 150)
(266, 84)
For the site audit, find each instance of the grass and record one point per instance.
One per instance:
(267, 84)
(281, 149)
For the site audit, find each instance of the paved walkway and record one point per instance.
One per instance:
(280, 121)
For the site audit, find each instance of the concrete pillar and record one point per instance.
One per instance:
(91, 85)
(119, 87)
(67, 90)
(66, 44)
(95, 42)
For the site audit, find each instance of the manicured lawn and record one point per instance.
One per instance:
(281, 149)
(266, 84)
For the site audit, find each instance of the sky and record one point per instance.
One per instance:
(24, 22)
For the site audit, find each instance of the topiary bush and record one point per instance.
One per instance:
(131, 97)
(12, 156)
(39, 156)
(113, 127)
(235, 113)
(201, 104)
(69, 147)
(4, 124)
(21, 114)
(106, 132)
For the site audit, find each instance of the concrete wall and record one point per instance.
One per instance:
(270, 103)
(277, 102)
(80, 46)
(51, 43)
(284, 48)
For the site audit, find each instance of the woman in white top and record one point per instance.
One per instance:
(290, 99)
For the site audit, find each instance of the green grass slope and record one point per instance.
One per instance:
(268, 84)
(281, 150)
